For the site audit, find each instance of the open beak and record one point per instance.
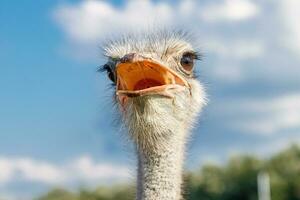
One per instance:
(144, 77)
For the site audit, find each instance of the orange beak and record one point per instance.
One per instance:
(144, 77)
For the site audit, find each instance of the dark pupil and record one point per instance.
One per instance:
(110, 75)
(187, 62)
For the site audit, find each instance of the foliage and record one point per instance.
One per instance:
(120, 192)
(59, 194)
(237, 180)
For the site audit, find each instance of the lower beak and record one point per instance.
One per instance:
(146, 77)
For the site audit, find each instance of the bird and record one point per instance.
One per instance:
(159, 99)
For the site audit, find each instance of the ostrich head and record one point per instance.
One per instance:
(159, 98)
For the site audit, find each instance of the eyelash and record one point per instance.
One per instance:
(196, 55)
(106, 68)
(103, 68)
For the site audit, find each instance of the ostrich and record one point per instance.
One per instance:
(159, 99)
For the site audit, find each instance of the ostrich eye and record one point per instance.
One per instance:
(109, 72)
(110, 75)
(187, 61)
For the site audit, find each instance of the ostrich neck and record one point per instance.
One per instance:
(160, 168)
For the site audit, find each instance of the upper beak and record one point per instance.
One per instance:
(141, 76)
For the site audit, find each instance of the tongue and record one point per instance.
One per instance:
(146, 83)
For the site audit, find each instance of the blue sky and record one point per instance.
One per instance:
(56, 114)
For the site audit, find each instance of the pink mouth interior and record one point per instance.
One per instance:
(146, 83)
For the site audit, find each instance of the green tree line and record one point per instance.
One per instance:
(235, 180)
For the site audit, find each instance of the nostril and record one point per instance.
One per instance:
(127, 58)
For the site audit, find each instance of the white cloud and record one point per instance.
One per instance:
(38, 171)
(269, 116)
(230, 10)
(8, 196)
(277, 145)
(82, 169)
(238, 48)
(290, 12)
(86, 23)
(228, 72)
(6, 170)
(89, 21)
(87, 169)
(229, 53)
